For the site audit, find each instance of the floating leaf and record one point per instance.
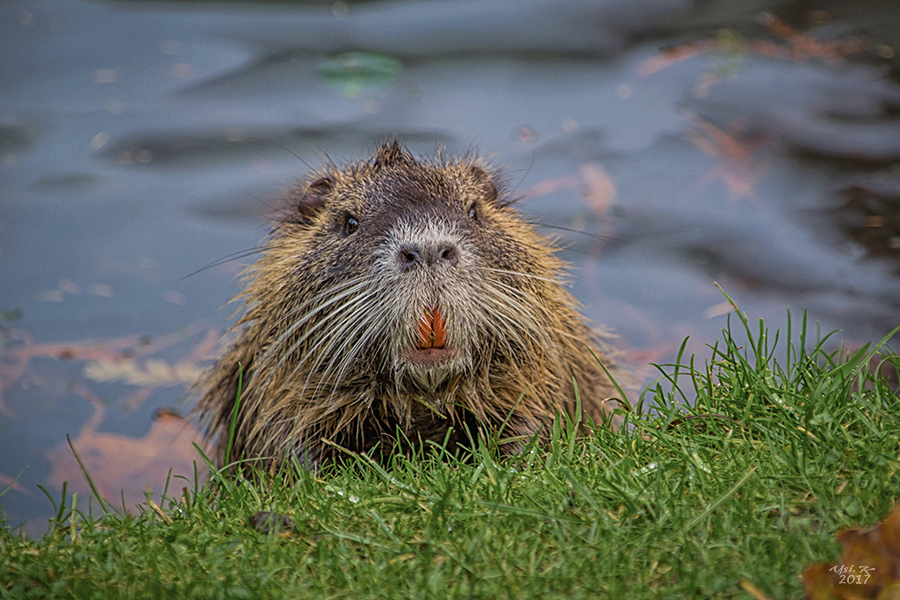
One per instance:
(116, 462)
(154, 372)
(353, 71)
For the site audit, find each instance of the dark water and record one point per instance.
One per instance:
(751, 144)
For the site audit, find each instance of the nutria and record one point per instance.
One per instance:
(401, 295)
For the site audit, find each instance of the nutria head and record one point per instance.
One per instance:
(401, 293)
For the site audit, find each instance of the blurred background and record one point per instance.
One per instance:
(667, 144)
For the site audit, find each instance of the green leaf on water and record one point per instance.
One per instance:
(354, 71)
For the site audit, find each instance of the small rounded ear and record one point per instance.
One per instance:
(486, 183)
(307, 203)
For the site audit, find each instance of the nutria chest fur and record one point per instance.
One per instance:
(400, 295)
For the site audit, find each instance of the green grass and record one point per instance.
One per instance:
(744, 470)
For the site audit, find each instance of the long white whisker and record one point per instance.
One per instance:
(351, 317)
(513, 303)
(371, 329)
(326, 319)
(274, 348)
(353, 325)
(519, 274)
(329, 343)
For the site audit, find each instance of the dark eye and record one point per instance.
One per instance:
(350, 224)
(472, 213)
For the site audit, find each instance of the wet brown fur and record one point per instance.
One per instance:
(322, 336)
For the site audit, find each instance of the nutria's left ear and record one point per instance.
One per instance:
(307, 202)
(486, 182)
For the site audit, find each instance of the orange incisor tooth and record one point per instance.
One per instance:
(424, 331)
(432, 330)
(438, 328)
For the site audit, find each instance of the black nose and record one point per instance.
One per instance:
(413, 254)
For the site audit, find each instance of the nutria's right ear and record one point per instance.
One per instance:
(307, 203)
(486, 182)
